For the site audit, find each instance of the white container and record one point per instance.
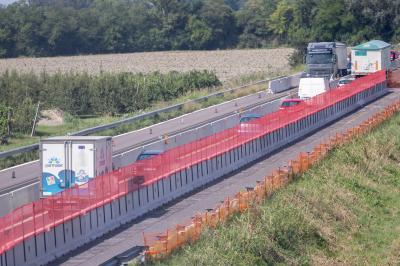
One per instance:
(73, 160)
(310, 87)
(370, 57)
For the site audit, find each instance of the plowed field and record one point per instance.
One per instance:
(228, 64)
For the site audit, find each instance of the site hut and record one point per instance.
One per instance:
(370, 57)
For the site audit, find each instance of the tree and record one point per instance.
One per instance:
(235, 4)
(252, 23)
(327, 23)
(200, 33)
(219, 17)
(280, 20)
(62, 3)
(7, 29)
(300, 29)
(61, 27)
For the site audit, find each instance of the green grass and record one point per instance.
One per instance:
(299, 68)
(72, 125)
(343, 211)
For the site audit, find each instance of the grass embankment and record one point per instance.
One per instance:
(343, 211)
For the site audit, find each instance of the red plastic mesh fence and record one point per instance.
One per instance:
(42, 215)
(160, 245)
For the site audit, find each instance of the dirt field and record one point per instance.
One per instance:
(228, 64)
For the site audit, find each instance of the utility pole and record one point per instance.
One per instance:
(34, 121)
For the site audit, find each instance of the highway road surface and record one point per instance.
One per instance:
(182, 210)
(26, 174)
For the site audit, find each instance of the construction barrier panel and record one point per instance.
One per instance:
(45, 229)
(284, 83)
(162, 244)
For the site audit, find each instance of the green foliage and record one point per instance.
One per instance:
(23, 115)
(252, 24)
(61, 27)
(84, 94)
(280, 19)
(49, 28)
(201, 33)
(235, 4)
(4, 123)
(18, 159)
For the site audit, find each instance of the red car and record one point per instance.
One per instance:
(289, 103)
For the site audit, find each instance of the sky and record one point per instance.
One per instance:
(4, 2)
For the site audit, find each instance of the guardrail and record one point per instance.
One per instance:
(15, 151)
(135, 118)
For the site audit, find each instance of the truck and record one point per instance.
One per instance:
(310, 87)
(370, 57)
(73, 161)
(326, 59)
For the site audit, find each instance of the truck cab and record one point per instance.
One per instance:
(326, 59)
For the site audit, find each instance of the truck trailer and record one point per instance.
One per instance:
(73, 161)
(370, 57)
(326, 59)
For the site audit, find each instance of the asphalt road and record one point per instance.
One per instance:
(28, 173)
(180, 211)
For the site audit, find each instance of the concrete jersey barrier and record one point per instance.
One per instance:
(284, 84)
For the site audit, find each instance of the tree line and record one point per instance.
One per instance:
(85, 94)
(70, 27)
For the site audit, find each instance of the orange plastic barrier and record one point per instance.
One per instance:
(161, 245)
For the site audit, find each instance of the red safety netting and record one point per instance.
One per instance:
(42, 215)
(160, 245)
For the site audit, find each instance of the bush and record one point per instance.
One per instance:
(22, 118)
(297, 58)
(106, 93)
(4, 122)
